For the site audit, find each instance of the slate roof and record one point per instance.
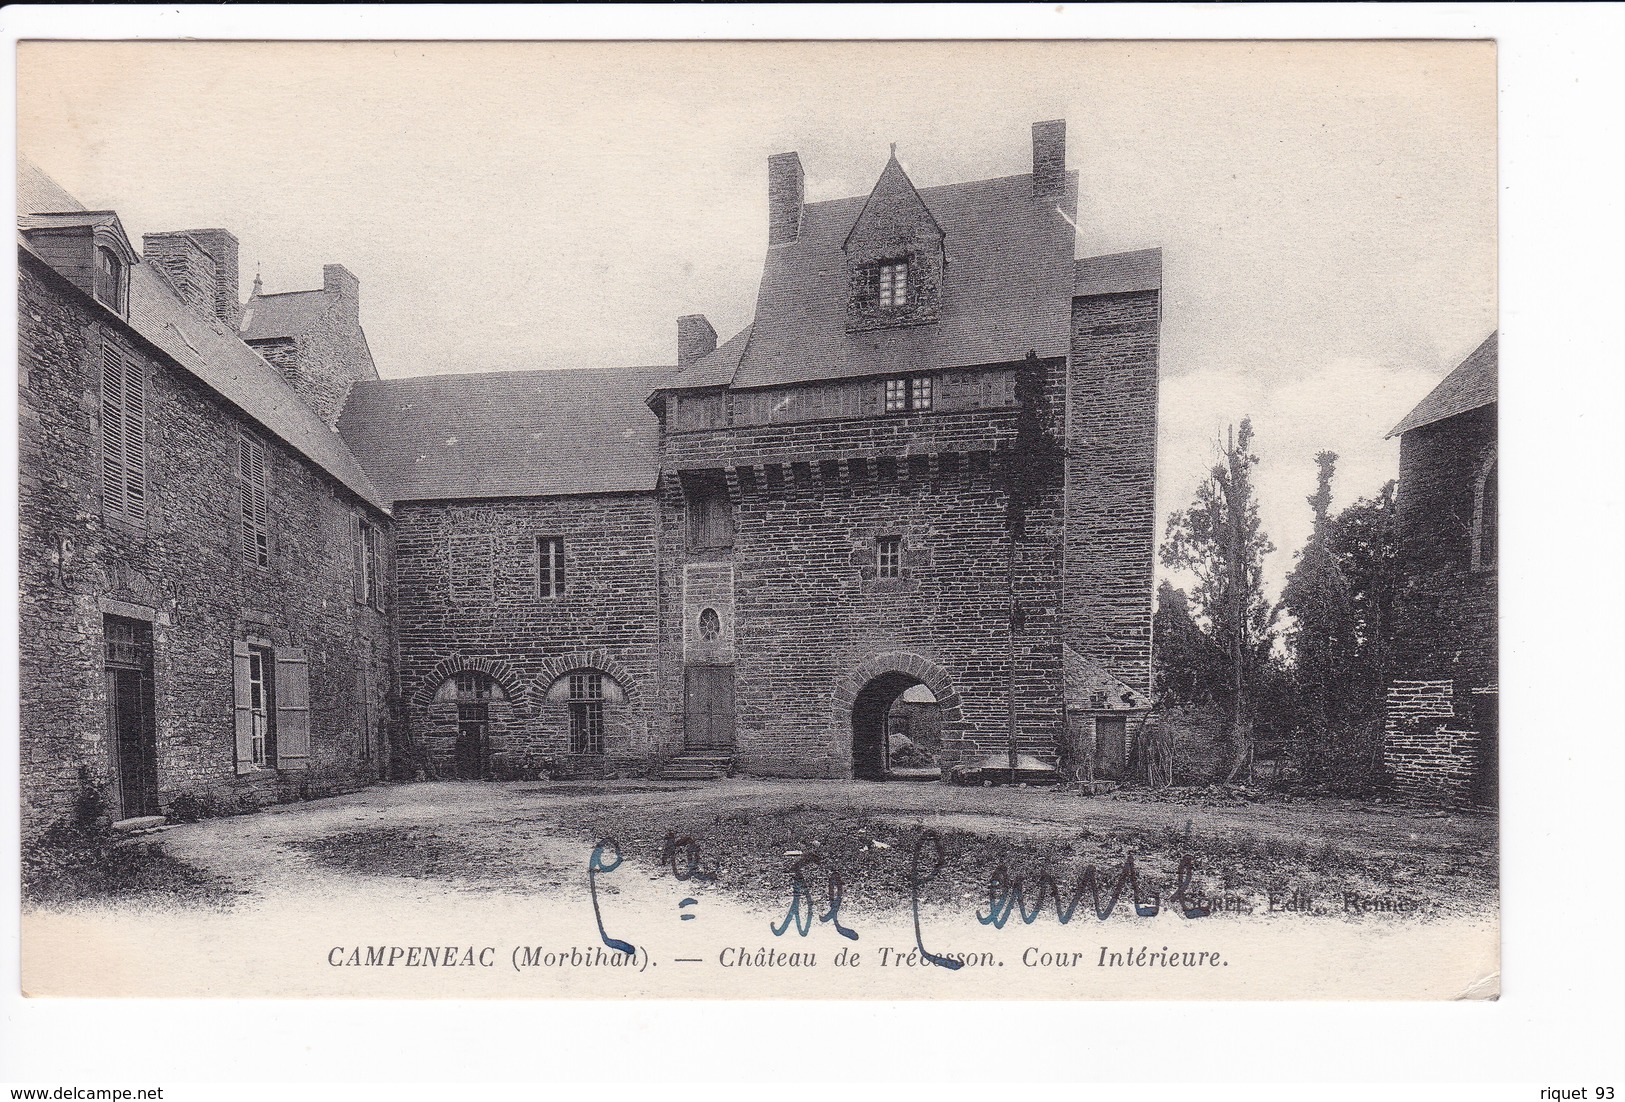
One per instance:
(1119, 273)
(1471, 386)
(716, 369)
(282, 315)
(1007, 289)
(211, 352)
(37, 193)
(507, 434)
(1085, 677)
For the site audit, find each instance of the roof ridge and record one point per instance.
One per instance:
(576, 371)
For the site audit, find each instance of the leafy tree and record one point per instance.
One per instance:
(1220, 540)
(1322, 638)
(1187, 668)
(1365, 540)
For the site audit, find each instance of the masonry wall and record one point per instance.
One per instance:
(325, 358)
(811, 621)
(183, 571)
(1437, 728)
(470, 600)
(1111, 534)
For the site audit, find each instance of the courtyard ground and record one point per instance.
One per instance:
(1247, 851)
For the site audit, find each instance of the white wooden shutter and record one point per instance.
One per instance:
(292, 708)
(242, 711)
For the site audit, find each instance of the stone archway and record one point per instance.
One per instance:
(864, 697)
(513, 686)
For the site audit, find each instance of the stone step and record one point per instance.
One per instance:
(139, 822)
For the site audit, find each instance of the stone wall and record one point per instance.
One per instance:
(1446, 635)
(1111, 534)
(814, 623)
(471, 600)
(184, 572)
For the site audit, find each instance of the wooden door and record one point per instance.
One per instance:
(1111, 747)
(708, 708)
(134, 741)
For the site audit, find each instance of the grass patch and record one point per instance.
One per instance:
(72, 864)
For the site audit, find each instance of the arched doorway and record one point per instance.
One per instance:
(471, 693)
(896, 731)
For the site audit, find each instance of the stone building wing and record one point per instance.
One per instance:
(1007, 286)
(507, 434)
(204, 347)
(1471, 386)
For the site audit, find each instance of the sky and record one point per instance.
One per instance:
(1326, 211)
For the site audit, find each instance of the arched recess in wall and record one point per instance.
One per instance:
(593, 689)
(503, 675)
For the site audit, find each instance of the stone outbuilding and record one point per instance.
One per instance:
(1441, 731)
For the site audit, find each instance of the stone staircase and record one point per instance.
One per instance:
(699, 765)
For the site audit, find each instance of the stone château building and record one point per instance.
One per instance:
(1440, 737)
(924, 469)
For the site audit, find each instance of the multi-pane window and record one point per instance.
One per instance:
(550, 566)
(124, 435)
(254, 496)
(889, 557)
(903, 395)
(371, 592)
(109, 285)
(587, 712)
(894, 283)
(261, 712)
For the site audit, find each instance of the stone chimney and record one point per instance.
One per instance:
(339, 280)
(695, 339)
(785, 193)
(202, 264)
(1049, 158)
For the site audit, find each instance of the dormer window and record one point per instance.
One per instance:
(893, 284)
(109, 286)
(906, 395)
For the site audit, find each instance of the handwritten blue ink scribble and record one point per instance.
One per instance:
(1006, 896)
(675, 845)
(688, 902)
(918, 882)
(594, 867)
(801, 901)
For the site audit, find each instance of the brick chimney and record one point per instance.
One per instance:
(785, 193)
(1049, 157)
(202, 264)
(339, 280)
(695, 339)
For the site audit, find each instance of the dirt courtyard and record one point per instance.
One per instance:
(1252, 854)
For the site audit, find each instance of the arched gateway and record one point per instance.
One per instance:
(865, 701)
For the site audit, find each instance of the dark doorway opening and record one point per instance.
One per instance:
(473, 693)
(896, 731)
(131, 725)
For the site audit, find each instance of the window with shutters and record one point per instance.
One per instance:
(272, 706)
(124, 435)
(550, 566)
(587, 712)
(710, 511)
(254, 497)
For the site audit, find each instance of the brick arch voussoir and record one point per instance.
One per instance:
(927, 672)
(513, 686)
(601, 660)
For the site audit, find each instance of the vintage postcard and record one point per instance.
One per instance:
(842, 520)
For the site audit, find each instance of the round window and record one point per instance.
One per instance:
(710, 625)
